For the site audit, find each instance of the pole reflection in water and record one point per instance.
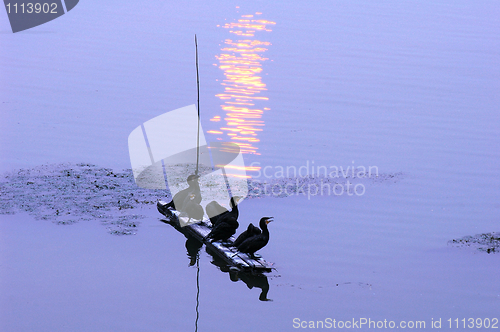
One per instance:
(193, 247)
(243, 98)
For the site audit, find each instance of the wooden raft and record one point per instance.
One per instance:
(201, 229)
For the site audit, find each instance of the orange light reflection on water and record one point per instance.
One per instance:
(241, 61)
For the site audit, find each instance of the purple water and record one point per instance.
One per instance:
(411, 88)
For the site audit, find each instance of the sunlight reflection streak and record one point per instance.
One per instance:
(241, 62)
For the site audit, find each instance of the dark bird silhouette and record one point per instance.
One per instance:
(193, 209)
(214, 211)
(233, 214)
(218, 213)
(251, 231)
(223, 230)
(226, 224)
(180, 198)
(256, 242)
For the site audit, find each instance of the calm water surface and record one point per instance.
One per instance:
(411, 88)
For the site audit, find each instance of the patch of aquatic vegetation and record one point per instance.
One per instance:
(310, 186)
(213, 184)
(69, 193)
(487, 242)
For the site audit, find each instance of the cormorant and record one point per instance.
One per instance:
(234, 213)
(256, 242)
(223, 230)
(251, 231)
(218, 213)
(193, 209)
(226, 224)
(179, 198)
(214, 210)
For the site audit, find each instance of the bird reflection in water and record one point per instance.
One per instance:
(193, 247)
(251, 280)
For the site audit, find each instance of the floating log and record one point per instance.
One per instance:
(200, 229)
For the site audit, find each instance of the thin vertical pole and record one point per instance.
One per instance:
(198, 88)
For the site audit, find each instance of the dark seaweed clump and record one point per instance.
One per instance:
(69, 193)
(487, 242)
